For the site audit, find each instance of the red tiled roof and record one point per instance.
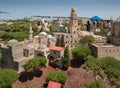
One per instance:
(52, 84)
(56, 48)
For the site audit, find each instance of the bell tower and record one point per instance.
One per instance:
(74, 27)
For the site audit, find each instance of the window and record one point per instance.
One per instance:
(106, 50)
(110, 50)
(54, 52)
(39, 54)
(31, 54)
(117, 50)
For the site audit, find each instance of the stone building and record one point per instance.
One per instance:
(114, 37)
(112, 48)
(72, 38)
(15, 54)
(42, 24)
(56, 55)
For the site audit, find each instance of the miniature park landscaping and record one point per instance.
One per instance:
(80, 69)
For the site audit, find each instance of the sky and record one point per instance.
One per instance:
(16, 9)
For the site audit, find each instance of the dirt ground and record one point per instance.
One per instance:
(76, 77)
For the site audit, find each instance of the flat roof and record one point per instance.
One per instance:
(56, 48)
(103, 45)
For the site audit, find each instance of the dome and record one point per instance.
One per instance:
(73, 9)
(12, 42)
(42, 47)
(42, 33)
(50, 36)
(60, 25)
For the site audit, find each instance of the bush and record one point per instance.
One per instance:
(7, 77)
(105, 66)
(56, 77)
(35, 63)
(95, 84)
(81, 52)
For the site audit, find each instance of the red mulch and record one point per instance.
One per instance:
(76, 77)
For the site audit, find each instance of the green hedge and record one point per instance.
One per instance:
(7, 77)
(56, 77)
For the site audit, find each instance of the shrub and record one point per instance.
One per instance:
(95, 84)
(7, 77)
(56, 77)
(35, 63)
(81, 52)
(105, 66)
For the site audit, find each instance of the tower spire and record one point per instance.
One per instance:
(30, 33)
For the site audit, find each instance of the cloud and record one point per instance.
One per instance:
(3, 12)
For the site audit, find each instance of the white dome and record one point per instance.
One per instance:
(12, 42)
(42, 33)
(50, 36)
(42, 47)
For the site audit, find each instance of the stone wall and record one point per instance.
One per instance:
(115, 34)
(105, 50)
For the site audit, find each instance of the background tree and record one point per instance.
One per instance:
(66, 59)
(85, 40)
(56, 76)
(35, 63)
(7, 77)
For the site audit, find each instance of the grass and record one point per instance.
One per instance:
(103, 67)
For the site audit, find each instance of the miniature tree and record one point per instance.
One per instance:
(56, 76)
(81, 52)
(7, 77)
(66, 60)
(35, 63)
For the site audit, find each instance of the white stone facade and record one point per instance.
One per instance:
(15, 54)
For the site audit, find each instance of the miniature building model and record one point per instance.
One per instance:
(42, 24)
(115, 34)
(15, 54)
(109, 49)
(72, 38)
(56, 55)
